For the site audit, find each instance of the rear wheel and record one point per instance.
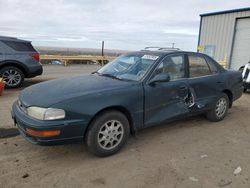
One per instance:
(107, 133)
(13, 76)
(220, 108)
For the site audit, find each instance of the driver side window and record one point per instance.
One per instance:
(173, 65)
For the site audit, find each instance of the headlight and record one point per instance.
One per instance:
(54, 113)
(45, 113)
(36, 112)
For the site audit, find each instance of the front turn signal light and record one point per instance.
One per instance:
(43, 133)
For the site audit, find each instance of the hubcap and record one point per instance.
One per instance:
(221, 107)
(110, 134)
(12, 77)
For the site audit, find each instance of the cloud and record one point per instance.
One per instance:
(181, 32)
(123, 24)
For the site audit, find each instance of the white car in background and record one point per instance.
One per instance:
(246, 77)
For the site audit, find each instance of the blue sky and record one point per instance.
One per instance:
(128, 25)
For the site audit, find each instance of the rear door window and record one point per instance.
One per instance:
(198, 66)
(20, 46)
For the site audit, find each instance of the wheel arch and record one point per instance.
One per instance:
(121, 109)
(242, 67)
(12, 63)
(230, 96)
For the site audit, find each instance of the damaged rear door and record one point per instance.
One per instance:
(167, 99)
(204, 81)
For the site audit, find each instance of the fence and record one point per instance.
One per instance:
(66, 59)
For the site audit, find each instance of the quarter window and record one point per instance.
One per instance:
(212, 65)
(173, 65)
(20, 46)
(198, 66)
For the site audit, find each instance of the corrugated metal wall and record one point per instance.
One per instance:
(218, 30)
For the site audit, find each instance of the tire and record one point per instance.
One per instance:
(218, 113)
(13, 76)
(108, 133)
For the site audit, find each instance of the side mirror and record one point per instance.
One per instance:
(162, 77)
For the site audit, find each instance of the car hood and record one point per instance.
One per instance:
(51, 92)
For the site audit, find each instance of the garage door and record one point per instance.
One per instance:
(241, 48)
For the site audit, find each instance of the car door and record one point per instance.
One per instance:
(166, 100)
(204, 81)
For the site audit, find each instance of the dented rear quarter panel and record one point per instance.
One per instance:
(208, 88)
(233, 80)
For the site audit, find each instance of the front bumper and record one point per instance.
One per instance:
(69, 129)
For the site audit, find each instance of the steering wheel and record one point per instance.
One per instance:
(141, 73)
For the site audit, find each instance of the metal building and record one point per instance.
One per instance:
(225, 36)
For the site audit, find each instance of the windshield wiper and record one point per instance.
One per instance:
(100, 74)
(95, 72)
(110, 76)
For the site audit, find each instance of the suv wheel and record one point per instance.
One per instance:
(108, 133)
(220, 108)
(13, 76)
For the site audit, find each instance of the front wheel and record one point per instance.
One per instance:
(107, 133)
(220, 109)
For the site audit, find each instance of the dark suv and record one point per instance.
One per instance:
(18, 60)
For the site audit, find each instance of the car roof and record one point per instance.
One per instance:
(14, 39)
(162, 52)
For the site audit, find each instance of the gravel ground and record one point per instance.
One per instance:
(189, 153)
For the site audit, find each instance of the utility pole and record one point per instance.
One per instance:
(173, 45)
(102, 53)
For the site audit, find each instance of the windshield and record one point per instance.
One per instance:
(129, 67)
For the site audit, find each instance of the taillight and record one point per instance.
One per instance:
(36, 56)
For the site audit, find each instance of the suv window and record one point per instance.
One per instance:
(198, 66)
(173, 65)
(20, 46)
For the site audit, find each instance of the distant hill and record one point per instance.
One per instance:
(78, 51)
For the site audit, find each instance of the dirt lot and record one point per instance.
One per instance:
(188, 153)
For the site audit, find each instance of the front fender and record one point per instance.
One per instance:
(87, 106)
